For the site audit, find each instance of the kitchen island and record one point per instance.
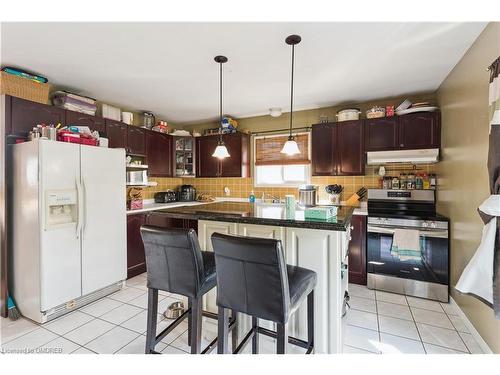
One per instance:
(320, 245)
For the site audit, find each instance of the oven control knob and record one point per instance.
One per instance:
(433, 224)
(425, 224)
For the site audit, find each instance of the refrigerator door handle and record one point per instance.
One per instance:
(84, 224)
(79, 208)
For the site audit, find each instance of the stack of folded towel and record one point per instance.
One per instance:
(406, 244)
(74, 102)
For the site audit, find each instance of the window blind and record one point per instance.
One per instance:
(268, 151)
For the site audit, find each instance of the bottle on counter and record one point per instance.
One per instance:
(419, 182)
(432, 181)
(410, 182)
(402, 181)
(427, 184)
(252, 197)
(395, 183)
(387, 183)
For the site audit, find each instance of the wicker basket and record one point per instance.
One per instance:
(24, 88)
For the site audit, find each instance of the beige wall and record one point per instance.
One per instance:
(463, 182)
(309, 117)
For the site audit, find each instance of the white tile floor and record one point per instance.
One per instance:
(378, 322)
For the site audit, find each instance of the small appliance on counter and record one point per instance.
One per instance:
(308, 195)
(186, 193)
(165, 197)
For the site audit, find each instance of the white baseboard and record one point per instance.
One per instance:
(484, 346)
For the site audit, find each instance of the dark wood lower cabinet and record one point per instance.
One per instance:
(136, 260)
(357, 250)
(159, 220)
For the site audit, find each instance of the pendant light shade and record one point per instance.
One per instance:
(221, 149)
(291, 147)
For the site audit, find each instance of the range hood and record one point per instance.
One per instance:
(425, 156)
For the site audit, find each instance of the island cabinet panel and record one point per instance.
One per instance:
(95, 123)
(318, 250)
(237, 165)
(205, 231)
(159, 154)
(357, 250)
(116, 132)
(381, 134)
(26, 114)
(420, 130)
(338, 149)
(136, 259)
(136, 140)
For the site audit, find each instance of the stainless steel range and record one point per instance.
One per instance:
(423, 275)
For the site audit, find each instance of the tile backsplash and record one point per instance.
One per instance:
(241, 187)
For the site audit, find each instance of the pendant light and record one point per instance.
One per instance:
(221, 149)
(290, 147)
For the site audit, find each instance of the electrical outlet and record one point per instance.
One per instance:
(227, 192)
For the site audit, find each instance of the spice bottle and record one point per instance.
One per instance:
(402, 181)
(395, 183)
(419, 182)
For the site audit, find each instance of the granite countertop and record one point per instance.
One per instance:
(258, 213)
(149, 205)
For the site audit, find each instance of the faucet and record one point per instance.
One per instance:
(273, 198)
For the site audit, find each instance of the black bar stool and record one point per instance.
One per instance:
(176, 264)
(253, 278)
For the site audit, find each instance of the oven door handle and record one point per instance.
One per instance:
(425, 233)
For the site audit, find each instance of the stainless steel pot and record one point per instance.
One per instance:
(308, 195)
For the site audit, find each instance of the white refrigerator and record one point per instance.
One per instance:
(69, 240)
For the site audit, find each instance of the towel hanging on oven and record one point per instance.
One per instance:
(406, 244)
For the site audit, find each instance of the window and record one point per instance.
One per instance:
(272, 168)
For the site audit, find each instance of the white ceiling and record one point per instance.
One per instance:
(168, 68)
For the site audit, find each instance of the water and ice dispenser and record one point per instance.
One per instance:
(61, 208)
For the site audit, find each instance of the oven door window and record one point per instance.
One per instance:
(430, 266)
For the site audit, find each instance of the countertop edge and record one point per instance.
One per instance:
(151, 206)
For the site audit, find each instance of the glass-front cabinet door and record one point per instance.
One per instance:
(184, 157)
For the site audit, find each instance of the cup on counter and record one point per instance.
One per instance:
(290, 202)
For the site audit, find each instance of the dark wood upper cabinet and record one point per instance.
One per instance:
(420, 130)
(159, 154)
(406, 132)
(136, 259)
(338, 149)
(116, 132)
(350, 148)
(26, 114)
(136, 140)
(81, 119)
(237, 165)
(206, 164)
(357, 250)
(322, 153)
(381, 134)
